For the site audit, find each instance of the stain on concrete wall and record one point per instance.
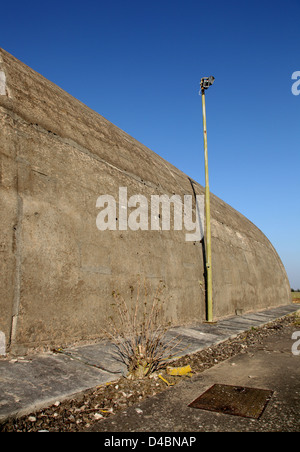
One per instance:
(57, 270)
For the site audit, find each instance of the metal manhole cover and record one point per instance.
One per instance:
(234, 400)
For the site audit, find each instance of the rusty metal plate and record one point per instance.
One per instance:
(234, 400)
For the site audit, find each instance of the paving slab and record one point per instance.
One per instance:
(29, 384)
(103, 356)
(37, 381)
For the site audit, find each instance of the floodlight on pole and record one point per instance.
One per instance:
(205, 83)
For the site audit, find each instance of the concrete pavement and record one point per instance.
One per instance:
(37, 381)
(268, 366)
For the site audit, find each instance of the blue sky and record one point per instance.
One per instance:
(139, 63)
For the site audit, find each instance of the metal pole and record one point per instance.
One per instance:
(207, 215)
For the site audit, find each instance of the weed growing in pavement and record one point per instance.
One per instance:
(138, 330)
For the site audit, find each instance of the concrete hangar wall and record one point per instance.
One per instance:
(57, 270)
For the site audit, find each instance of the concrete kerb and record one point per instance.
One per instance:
(38, 381)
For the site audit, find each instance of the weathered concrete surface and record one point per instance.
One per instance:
(57, 270)
(36, 381)
(28, 385)
(270, 365)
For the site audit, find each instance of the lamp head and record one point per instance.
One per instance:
(206, 82)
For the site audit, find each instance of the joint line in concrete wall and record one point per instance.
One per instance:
(17, 240)
(93, 156)
(70, 142)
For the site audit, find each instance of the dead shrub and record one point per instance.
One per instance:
(138, 330)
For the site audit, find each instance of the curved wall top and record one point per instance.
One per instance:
(57, 270)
